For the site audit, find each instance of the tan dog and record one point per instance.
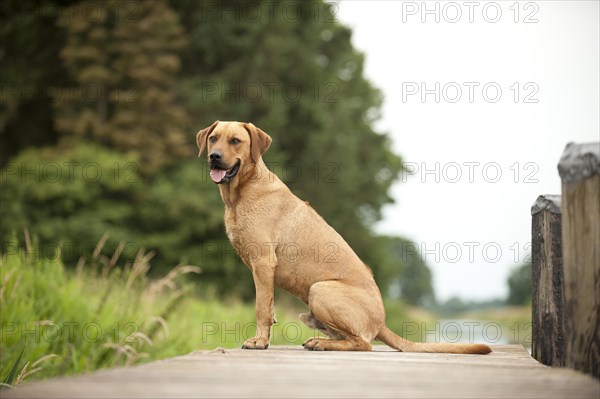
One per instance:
(285, 243)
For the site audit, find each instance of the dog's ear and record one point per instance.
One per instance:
(259, 141)
(202, 135)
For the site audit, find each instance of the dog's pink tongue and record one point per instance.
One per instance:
(217, 174)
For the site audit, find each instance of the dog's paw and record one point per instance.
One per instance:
(256, 343)
(312, 344)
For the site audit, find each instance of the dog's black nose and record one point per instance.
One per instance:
(215, 156)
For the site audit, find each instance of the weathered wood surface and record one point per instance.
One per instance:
(579, 169)
(547, 301)
(292, 372)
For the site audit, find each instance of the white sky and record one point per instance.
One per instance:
(558, 55)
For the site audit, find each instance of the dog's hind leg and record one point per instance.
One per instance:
(349, 313)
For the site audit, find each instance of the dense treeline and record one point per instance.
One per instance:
(101, 102)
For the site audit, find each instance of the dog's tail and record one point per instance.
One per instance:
(390, 338)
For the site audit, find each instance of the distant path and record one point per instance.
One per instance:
(290, 372)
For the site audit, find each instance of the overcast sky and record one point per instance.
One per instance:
(514, 85)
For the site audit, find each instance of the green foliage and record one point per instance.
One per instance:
(181, 217)
(71, 195)
(456, 306)
(109, 312)
(402, 272)
(30, 44)
(129, 78)
(123, 61)
(519, 285)
(11, 376)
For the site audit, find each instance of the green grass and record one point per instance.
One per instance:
(508, 324)
(103, 315)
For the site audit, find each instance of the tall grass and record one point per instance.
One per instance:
(57, 321)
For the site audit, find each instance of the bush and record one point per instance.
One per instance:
(70, 197)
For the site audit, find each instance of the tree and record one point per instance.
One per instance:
(70, 197)
(122, 57)
(402, 272)
(30, 43)
(519, 285)
(136, 80)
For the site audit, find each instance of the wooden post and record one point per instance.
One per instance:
(548, 344)
(579, 169)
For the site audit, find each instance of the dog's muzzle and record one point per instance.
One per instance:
(220, 173)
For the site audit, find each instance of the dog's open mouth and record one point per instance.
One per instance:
(220, 174)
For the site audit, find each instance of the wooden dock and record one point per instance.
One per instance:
(292, 372)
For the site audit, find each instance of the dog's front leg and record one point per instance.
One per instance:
(264, 282)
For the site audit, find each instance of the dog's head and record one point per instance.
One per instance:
(231, 147)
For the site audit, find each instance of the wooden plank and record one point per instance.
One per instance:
(292, 372)
(579, 169)
(547, 301)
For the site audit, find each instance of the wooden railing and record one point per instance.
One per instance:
(566, 265)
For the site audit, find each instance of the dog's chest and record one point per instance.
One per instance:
(241, 230)
(235, 231)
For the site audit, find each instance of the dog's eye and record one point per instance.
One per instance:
(234, 141)
(212, 139)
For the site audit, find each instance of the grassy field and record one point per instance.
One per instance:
(514, 321)
(58, 321)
